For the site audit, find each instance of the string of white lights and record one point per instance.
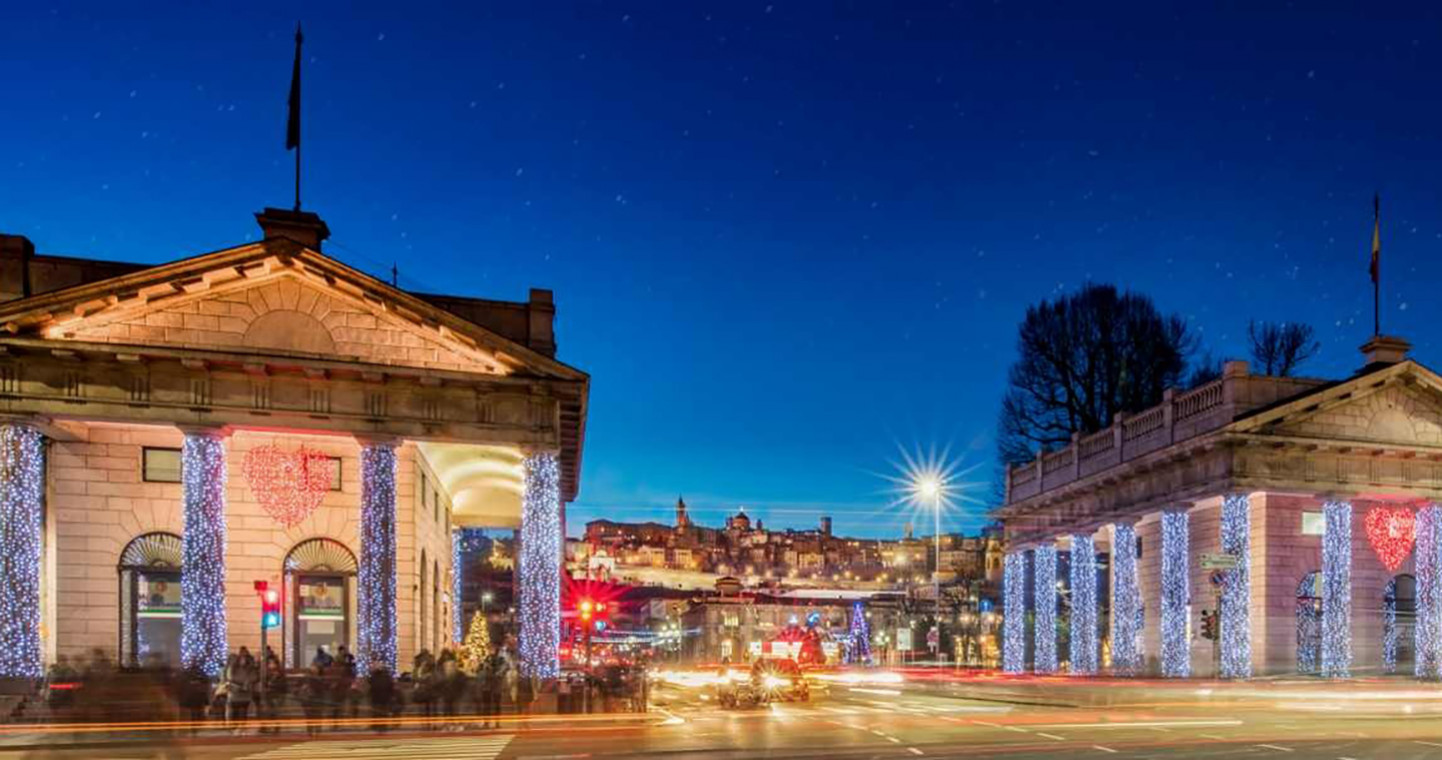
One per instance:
(1236, 592)
(376, 610)
(1176, 594)
(1337, 589)
(1043, 596)
(1389, 627)
(22, 493)
(1083, 630)
(1013, 638)
(539, 570)
(1126, 601)
(202, 576)
(1428, 562)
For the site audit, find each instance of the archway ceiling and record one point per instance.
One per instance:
(485, 482)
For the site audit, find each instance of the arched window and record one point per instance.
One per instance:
(320, 590)
(1399, 624)
(149, 571)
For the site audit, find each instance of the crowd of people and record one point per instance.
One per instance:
(250, 692)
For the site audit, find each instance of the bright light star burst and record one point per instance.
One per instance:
(924, 481)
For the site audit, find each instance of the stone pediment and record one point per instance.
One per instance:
(273, 299)
(1399, 406)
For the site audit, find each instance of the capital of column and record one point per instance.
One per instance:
(378, 440)
(207, 431)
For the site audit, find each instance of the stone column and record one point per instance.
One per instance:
(538, 571)
(1083, 627)
(1235, 614)
(1126, 606)
(1013, 639)
(1043, 599)
(202, 572)
(1429, 593)
(1176, 594)
(376, 600)
(22, 494)
(1337, 589)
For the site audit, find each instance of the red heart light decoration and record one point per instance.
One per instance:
(288, 484)
(1392, 531)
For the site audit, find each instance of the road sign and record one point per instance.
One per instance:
(1219, 561)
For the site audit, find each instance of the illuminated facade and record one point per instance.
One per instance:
(1287, 507)
(174, 433)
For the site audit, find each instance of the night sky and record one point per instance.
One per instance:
(785, 238)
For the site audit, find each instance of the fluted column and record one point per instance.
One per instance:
(1126, 601)
(376, 602)
(22, 493)
(1043, 596)
(1013, 639)
(1337, 589)
(202, 571)
(539, 568)
(1176, 594)
(1235, 613)
(1083, 625)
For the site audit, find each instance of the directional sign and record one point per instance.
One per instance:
(1219, 561)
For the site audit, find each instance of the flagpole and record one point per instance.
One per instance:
(1376, 264)
(297, 176)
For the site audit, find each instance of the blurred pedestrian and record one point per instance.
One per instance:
(241, 676)
(382, 697)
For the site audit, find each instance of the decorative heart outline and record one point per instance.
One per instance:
(289, 485)
(1392, 531)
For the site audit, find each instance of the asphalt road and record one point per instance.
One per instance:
(866, 722)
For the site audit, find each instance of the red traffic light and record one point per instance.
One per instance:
(269, 605)
(586, 607)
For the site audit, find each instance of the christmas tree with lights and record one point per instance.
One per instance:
(477, 645)
(860, 635)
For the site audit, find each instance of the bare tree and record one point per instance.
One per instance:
(1081, 359)
(1277, 349)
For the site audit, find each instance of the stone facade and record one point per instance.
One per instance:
(1373, 441)
(270, 344)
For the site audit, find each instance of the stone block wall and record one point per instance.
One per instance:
(97, 502)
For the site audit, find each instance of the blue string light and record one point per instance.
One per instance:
(1083, 606)
(1389, 627)
(22, 492)
(376, 607)
(1043, 599)
(1236, 592)
(859, 650)
(1176, 595)
(539, 569)
(1337, 589)
(1013, 640)
(1429, 593)
(202, 576)
(1126, 602)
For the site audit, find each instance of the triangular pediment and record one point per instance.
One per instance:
(273, 299)
(1396, 406)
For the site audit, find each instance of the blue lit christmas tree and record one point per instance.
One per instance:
(860, 635)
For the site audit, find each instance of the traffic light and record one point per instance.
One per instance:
(269, 605)
(1209, 625)
(587, 607)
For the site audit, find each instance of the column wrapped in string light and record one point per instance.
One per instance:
(376, 606)
(1043, 600)
(1176, 594)
(22, 493)
(539, 569)
(1013, 634)
(202, 572)
(1083, 628)
(1337, 589)
(1126, 601)
(1236, 605)
(1428, 563)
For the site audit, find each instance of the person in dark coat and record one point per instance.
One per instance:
(383, 697)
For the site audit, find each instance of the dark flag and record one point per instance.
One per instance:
(1376, 268)
(292, 127)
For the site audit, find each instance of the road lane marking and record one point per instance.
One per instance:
(988, 724)
(1275, 747)
(893, 740)
(1428, 744)
(915, 751)
(1018, 730)
(1213, 737)
(1051, 736)
(486, 748)
(1144, 724)
(1105, 749)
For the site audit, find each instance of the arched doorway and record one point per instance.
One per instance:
(1309, 623)
(1399, 624)
(319, 598)
(149, 571)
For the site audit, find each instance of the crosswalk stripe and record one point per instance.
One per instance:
(479, 748)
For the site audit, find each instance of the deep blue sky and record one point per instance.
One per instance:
(784, 237)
